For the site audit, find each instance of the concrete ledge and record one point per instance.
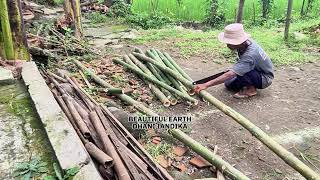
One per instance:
(6, 76)
(67, 145)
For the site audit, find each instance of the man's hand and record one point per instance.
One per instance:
(199, 87)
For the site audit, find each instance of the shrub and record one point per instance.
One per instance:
(146, 21)
(120, 8)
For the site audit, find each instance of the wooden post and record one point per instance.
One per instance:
(288, 19)
(240, 11)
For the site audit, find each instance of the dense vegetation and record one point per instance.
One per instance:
(196, 10)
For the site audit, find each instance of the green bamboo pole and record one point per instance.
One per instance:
(174, 82)
(6, 31)
(155, 73)
(218, 162)
(123, 97)
(156, 91)
(173, 62)
(284, 154)
(156, 81)
(198, 148)
(2, 52)
(20, 45)
(169, 71)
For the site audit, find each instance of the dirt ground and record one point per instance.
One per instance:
(290, 104)
(289, 111)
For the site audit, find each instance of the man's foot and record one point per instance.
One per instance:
(246, 92)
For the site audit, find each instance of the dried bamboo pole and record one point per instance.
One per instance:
(99, 155)
(156, 81)
(160, 171)
(123, 97)
(57, 77)
(109, 147)
(76, 116)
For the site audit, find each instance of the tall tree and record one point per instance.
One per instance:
(288, 19)
(12, 33)
(240, 11)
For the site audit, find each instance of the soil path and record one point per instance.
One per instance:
(289, 111)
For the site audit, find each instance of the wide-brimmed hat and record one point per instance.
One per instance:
(233, 34)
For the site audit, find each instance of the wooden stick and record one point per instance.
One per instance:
(109, 147)
(99, 155)
(85, 80)
(220, 176)
(57, 77)
(80, 123)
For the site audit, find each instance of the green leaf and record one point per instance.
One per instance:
(27, 176)
(57, 171)
(49, 178)
(72, 172)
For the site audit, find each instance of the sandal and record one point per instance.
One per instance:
(239, 95)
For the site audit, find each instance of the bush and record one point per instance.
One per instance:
(146, 21)
(214, 15)
(120, 8)
(96, 17)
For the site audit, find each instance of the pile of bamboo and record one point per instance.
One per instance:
(116, 152)
(166, 87)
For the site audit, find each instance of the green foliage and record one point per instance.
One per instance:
(120, 8)
(67, 175)
(266, 8)
(158, 149)
(96, 17)
(29, 170)
(214, 15)
(145, 21)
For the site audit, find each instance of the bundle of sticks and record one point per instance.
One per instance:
(116, 152)
(166, 87)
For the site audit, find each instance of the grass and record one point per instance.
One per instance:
(205, 44)
(192, 10)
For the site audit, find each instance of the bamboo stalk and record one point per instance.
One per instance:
(123, 97)
(177, 67)
(80, 123)
(156, 81)
(85, 80)
(158, 169)
(6, 31)
(111, 91)
(109, 147)
(167, 70)
(99, 155)
(57, 77)
(159, 94)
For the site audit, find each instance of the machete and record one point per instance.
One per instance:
(204, 80)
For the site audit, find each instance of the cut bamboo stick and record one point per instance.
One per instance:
(76, 116)
(99, 155)
(85, 80)
(156, 81)
(109, 147)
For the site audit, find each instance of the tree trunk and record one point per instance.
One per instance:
(108, 3)
(20, 45)
(75, 4)
(302, 8)
(12, 34)
(240, 11)
(6, 35)
(68, 10)
(288, 19)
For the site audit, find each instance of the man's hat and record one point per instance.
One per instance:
(233, 34)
